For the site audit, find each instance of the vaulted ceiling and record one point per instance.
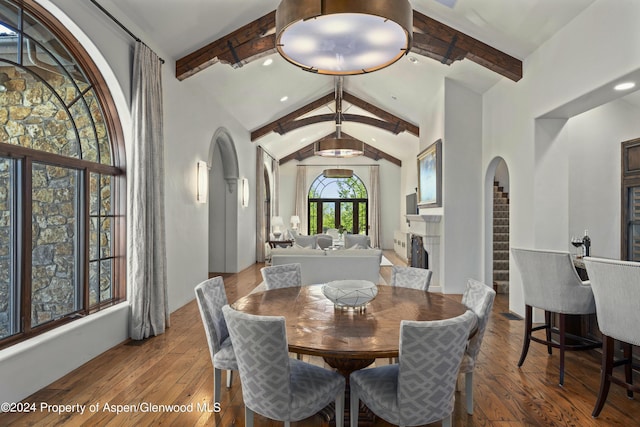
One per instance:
(492, 36)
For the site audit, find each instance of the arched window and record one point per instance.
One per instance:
(61, 182)
(338, 203)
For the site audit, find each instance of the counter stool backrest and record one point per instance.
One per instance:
(616, 288)
(550, 282)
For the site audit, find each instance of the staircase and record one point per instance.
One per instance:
(500, 240)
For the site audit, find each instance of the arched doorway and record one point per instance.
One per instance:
(497, 225)
(223, 203)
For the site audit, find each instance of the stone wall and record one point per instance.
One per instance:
(32, 116)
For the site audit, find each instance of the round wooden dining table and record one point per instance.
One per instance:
(316, 328)
(348, 339)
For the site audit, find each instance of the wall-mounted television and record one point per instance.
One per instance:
(411, 204)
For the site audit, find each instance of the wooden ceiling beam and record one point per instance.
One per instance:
(394, 128)
(239, 47)
(369, 151)
(282, 121)
(433, 39)
(289, 122)
(379, 112)
(454, 43)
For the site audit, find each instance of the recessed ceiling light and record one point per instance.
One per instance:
(413, 59)
(284, 98)
(267, 62)
(625, 86)
(395, 98)
(373, 139)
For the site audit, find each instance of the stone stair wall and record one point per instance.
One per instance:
(500, 239)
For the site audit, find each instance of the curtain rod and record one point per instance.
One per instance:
(113, 18)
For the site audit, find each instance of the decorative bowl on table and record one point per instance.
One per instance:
(350, 293)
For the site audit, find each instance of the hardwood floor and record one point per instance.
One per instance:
(175, 369)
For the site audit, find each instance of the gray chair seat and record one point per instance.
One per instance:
(226, 356)
(312, 388)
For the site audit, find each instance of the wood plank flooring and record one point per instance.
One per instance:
(175, 369)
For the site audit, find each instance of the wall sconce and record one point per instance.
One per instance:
(203, 182)
(244, 192)
(295, 220)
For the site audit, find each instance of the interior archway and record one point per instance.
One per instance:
(223, 203)
(497, 225)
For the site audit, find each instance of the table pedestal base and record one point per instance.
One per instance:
(345, 367)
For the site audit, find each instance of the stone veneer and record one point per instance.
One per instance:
(32, 116)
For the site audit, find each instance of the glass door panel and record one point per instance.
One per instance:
(328, 216)
(346, 216)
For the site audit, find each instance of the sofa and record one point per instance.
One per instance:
(321, 266)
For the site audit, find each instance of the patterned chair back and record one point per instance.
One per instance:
(478, 298)
(260, 343)
(430, 356)
(211, 297)
(282, 276)
(411, 277)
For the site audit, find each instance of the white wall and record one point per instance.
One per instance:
(389, 185)
(595, 173)
(462, 188)
(577, 60)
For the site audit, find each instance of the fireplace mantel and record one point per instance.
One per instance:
(429, 227)
(424, 218)
(425, 225)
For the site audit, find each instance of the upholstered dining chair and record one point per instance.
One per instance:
(550, 282)
(282, 276)
(420, 388)
(356, 241)
(323, 241)
(616, 289)
(411, 277)
(479, 298)
(274, 385)
(211, 296)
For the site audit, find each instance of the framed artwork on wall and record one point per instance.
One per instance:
(430, 176)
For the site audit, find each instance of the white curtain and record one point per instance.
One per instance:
(301, 199)
(374, 206)
(275, 201)
(146, 247)
(261, 237)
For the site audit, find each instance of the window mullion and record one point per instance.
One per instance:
(83, 252)
(26, 244)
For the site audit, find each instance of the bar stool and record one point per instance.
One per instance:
(550, 282)
(616, 288)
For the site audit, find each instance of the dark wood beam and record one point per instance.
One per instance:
(284, 128)
(282, 121)
(442, 41)
(241, 46)
(379, 112)
(289, 122)
(369, 151)
(432, 39)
